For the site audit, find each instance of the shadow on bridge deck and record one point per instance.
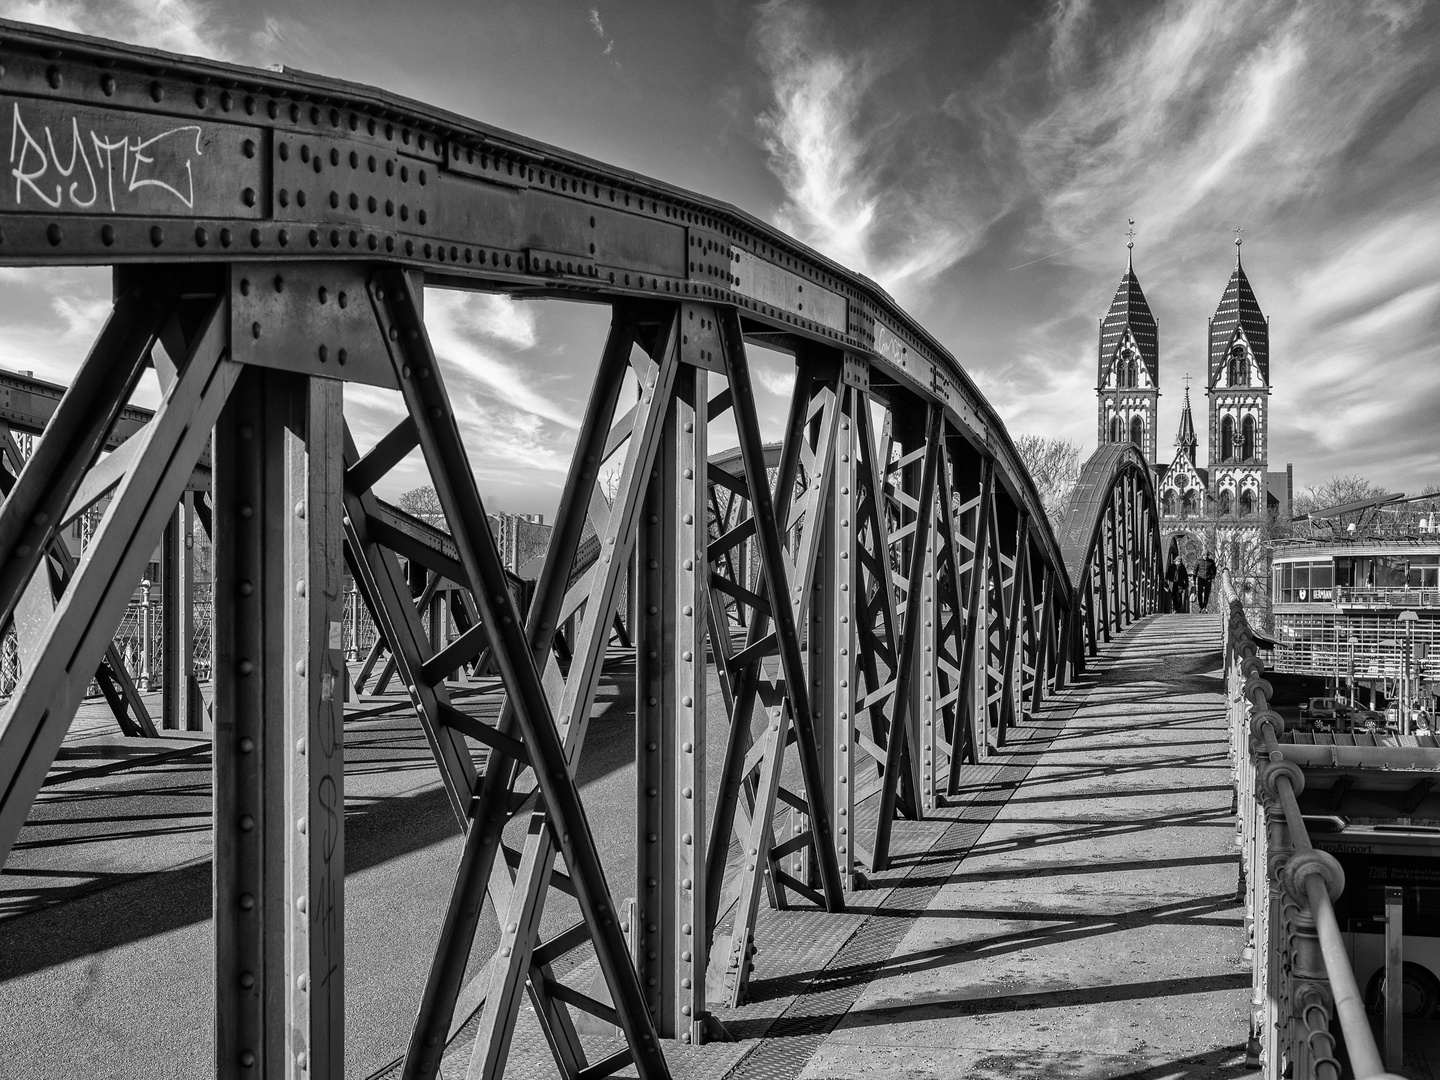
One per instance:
(1076, 917)
(1073, 916)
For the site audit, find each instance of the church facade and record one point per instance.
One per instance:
(1225, 504)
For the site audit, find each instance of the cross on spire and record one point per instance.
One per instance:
(1130, 245)
(1186, 381)
(1238, 241)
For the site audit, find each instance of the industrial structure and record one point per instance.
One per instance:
(1364, 615)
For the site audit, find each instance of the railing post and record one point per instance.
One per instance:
(1394, 976)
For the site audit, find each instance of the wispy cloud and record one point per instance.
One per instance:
(1313, 125)
(844, 193)
(181, 26)
(1201, 107)
(599, 28)
(460, 324)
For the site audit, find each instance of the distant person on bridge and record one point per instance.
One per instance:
(1204, 578)
(1180, 587)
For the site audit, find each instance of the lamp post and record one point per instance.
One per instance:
(1409, 618)
(146, 682)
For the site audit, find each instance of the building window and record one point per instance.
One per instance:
(1304, 582)
(1247, 439)
(1114, 429)
(1227, 438)
(1167, 503)
(1247, 503)
(1424, 574)
(1137, 430)
(1239, 373)
(1227, 502)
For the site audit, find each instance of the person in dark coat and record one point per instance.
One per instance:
(1204, 578)
(1182, 586)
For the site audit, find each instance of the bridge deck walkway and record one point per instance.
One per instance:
(1073, 916)
(1080, 921)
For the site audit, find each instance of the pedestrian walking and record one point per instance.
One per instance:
(1182, 586)
(1204, 578)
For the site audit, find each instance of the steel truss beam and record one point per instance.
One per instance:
(37, 605)
(769, 667)
(1111, 541)
(547, 719)
(462, 202)
(81, 629)
(920, 561)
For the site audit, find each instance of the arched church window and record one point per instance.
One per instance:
(1167, 503)
(1187, 503)
(1247, 438)
(1226, 502)
(1114, 429)
(1227, 438)
(1137, 430)
(1132, 372)
(1247, 503)
(1239, 369)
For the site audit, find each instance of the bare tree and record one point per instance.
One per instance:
(422, 502)
(1336, 491)
(1054, 465)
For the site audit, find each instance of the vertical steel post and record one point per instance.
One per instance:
(832, 637)
(922, 706)
(177, 639)
(670, 682)
(279, 759)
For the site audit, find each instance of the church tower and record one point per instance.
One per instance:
(1128, 381)
(1239, 391)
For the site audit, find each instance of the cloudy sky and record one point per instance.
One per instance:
(979, 160)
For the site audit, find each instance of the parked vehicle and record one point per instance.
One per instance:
(1321, 708)
(1327, 714)
(1373, 857)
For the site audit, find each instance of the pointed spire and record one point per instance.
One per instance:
(1238, 230)
(1185, 439)
(1239, 312)
(1129, 310)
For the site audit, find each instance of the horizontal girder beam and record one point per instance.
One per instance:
(123, 154)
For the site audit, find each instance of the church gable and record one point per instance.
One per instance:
(1127, 369)
(1239, 368)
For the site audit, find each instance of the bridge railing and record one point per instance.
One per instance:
(1302, 976)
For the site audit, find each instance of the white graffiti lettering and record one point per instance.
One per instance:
(163, 161)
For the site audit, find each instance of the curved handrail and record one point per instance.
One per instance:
(1310, 879)
(676, 244)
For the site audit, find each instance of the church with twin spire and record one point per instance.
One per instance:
(1226, 504)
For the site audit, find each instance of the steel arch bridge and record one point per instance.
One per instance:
(880, 598)
(1112, 547)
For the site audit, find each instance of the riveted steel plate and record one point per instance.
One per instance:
(700, 338)
(314, 319)
(763, 281)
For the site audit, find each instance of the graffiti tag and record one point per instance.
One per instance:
(89, 166)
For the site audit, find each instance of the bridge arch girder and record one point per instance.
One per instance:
(1111, 540)
(891, 458)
